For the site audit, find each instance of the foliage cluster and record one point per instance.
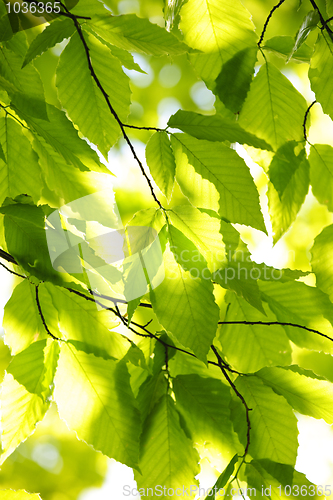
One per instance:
(185, 347)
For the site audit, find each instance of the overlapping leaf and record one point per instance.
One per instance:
(161, 162)
(54, 33)
(203, 231)
(304, 391)
(83, 100)
(251, 347)
(214, 128)
(22, 323)
(273, 423)
(289, 175)
(321, 72)
(297, 303)
(132, 33)
(25, 392)
(209, 26)
(15, 177)
(204, 403)
(321, 173)
(321, 261)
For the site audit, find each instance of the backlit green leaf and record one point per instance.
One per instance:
(161, 162)
(273, 110)
(273, 423)
(214, 128)
(321, 173)
(83, 100)
(168, 458)
(95, 399)
(321, 72)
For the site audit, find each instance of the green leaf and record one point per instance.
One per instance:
(54, 33)
(203, 231)
(305, 392)
(204, 404)
(161, 162)
(26, 240)
(273, 110)
(213, 176)
(322, 260)
(18, 495)
(321, 173)
(214, 128)
(223, 478)
(283, 45)
(168, 458)
(182, 248)
(77, 318)
(132, 33)
(289, 175)
(251, 347)
(6, 31)
(329, 8)
(233, 83)
(34, 368)
(23, 85)
(295, 302)
(186, 308)
(321, 72)
(83, 100)
(309, 24)
(273, 424)
(25, 393)
(95, 399)
(209, 27)
(124, 56)
(15, 178)
(22, 323)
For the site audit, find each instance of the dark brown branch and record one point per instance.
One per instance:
(267, 21)
(42, 317)
(270, 323)
(239, 395)
(305, 119)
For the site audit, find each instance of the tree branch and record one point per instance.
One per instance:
(239, 395)
(112, 110)
(42, 316)
(305, 119)
(270, 323)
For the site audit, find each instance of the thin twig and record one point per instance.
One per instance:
(267, 21)
(12, 272)
(270, 323)
(305, 119)
(42, 316)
